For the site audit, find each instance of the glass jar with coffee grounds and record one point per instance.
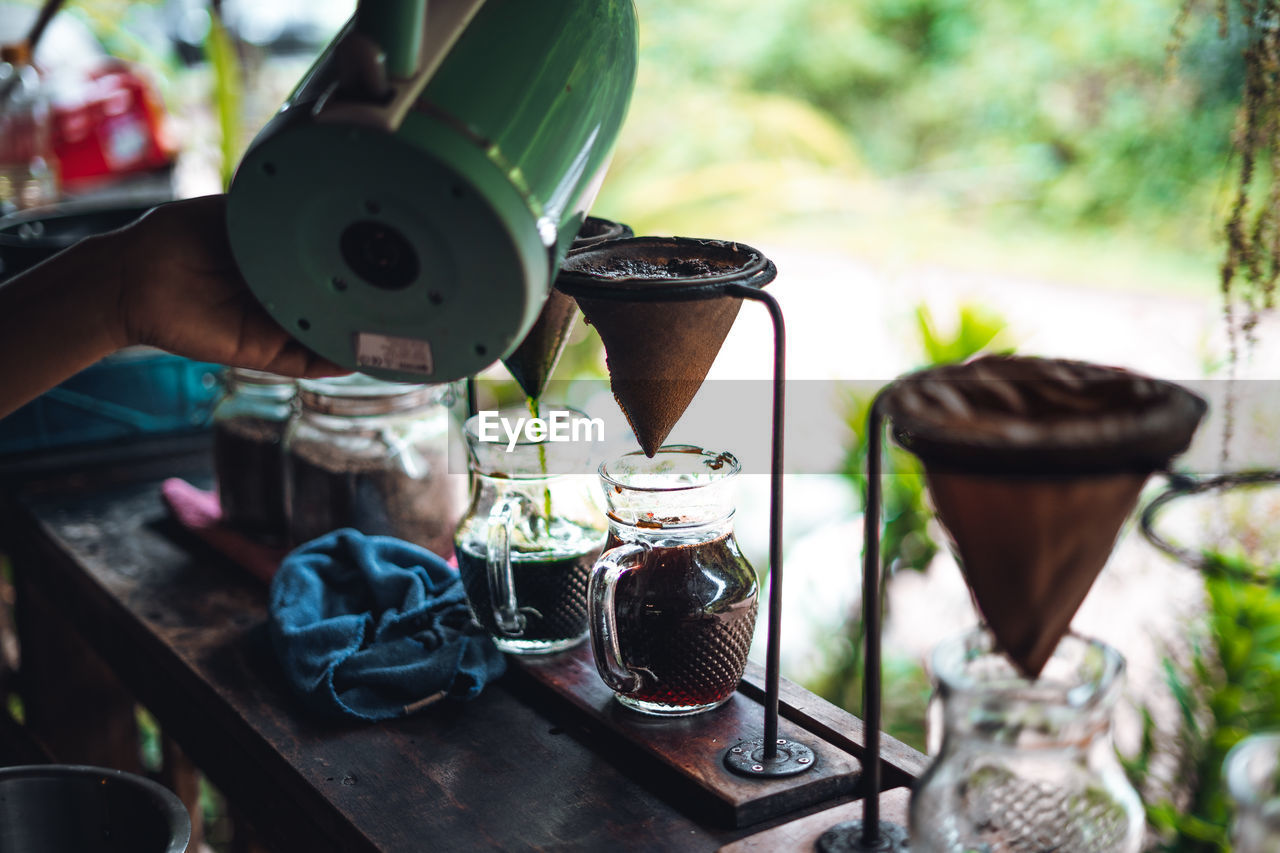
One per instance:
(249, 422)
(372, 455)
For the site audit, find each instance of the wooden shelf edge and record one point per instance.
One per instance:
(685, 753)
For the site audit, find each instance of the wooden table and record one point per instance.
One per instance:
(97, 558)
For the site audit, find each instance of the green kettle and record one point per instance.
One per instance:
(405, 212)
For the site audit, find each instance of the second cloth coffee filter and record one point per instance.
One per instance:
(533, 362)
(1033, 465)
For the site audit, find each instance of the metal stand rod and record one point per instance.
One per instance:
(871, 628)
(472, 397)
(772, 757)
(870, 835)
(774, 639)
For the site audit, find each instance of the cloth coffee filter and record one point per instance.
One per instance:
(1033, 465)
(661, 310)
(533, 362)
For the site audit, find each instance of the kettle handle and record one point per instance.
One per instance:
(395, 26)
(602, 607)
(502, 587)
(386, 56)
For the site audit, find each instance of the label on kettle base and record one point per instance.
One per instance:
(390, 353)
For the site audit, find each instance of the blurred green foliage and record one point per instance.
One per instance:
(905, 688)
(978, 330)
(759, 114)
(1069, 113)
(905, 540)
(227, 94)
(1229, 689)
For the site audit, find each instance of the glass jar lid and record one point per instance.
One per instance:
(679, 486)
(358, 394)
(986, 695)
(248, 375)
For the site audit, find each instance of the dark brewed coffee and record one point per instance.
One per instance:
(248, 466)
(685, 619)
(551, 592)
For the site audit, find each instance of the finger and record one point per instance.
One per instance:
(295, 360)
(319, 367)
(207, 216)
(289, 356)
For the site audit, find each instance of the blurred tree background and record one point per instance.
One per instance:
(1016, 132)
(908, 125)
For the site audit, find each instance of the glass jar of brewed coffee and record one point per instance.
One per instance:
(249, 423)
(672, 600)
(372, 455)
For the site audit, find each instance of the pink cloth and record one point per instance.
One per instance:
(199, 512)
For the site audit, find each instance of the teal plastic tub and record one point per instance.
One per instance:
(138, 391)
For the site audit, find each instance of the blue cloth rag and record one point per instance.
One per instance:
(373, 627)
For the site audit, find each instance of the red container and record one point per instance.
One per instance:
(111, 126)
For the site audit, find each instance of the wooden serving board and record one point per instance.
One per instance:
(687, 753)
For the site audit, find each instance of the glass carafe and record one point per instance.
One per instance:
(1025, 766)
(1252, 771)
(673, 601)
(530, 536)
(28, 168)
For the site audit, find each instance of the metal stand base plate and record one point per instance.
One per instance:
(747, 758)
(847, 838)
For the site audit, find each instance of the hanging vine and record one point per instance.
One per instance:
(1251, 264)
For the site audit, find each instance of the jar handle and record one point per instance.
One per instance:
(602, 607)
(502, 586)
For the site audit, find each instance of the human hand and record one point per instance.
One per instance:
(180, 291)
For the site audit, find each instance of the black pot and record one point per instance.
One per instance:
(30, 236)
(61, 808)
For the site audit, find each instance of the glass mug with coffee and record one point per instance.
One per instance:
(534, 528)
(672, 600)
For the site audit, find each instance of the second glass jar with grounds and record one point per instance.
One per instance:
(374, 456)
(249, 423)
